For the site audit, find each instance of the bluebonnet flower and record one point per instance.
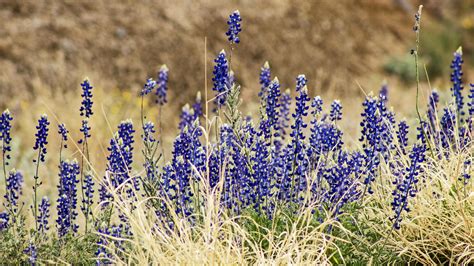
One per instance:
(402, 136)
(234, 27)
(85, 129)
(387, 126)
(67, 197)
(325, 137)
(432, 109)
(186, 118)
(297, 162)
(471, 102)
(162, 85)
(88, 188)
(197, 106)
(148, 131)
(41, 137)
(433, 118)
(285, 104)
(342, 188)
(456, 79)
(14, 190)
(371, 138)
(336, 111)
(5, 137)
(119, 161)
(407, 188)
(317, 105)
(466, 176)
(62, 131)
(261, 173)
(221, 82)
(32, 253)
(265, 79)
(103, 253)
(148, 87)
(300, 82)
(43, 215)
(273, 105)
(447, 125)
(4, 220)
(109, 235)
(86, 105)
(383, 94)
(181, 174)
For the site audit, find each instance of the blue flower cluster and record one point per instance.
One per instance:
(86, 104)
(234, 27)
(14, 184)
(162, 85)
(43, 216)
(221, 79)
(41, 138)
(67, 197)
(5, 134)
(293, 155)
(456, 79)
(62, 131)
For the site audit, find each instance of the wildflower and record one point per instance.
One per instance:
(336, 111)
(4, 220)
(300, 82)
(431, 113)
(285, 104)
(383, 94)
(297, 163)
(32, 253)
(86, 105)
(88, 188)
(187, 117)
(234, 27)
(407, 188)
(162, 85)
(265, 79)
(103, 254)
(471, 103)
(119, 161)
(148, 131)
(41, 137)
(402, 136)
(148, 87)
(197, 106)
(447, 124)
(273, 105)
(221, 82)
(67, 201)
(5, 137)
(42, 218)
(317, 105)
(325, 137)
(14, 190)
(261, 172)
(343, 188)
(456, 79)
(371, 138)
(466, 176)
(62, 131)
(85, 129)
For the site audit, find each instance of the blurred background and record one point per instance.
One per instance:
(345, 48)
